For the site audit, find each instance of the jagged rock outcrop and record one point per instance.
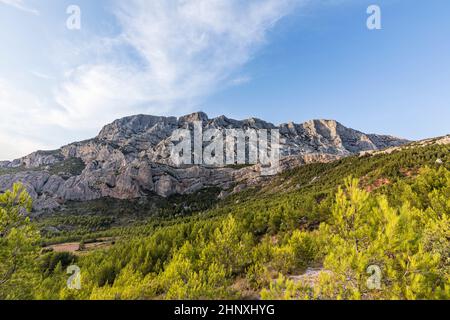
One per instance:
(130, 158)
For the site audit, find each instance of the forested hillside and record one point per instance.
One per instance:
(315, 232)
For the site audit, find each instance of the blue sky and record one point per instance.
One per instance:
(279, 60)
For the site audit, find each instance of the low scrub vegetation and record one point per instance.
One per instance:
(362, 239)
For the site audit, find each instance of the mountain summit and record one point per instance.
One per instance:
(130, 158)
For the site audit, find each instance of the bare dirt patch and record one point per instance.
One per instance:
(74, 247)
(377, 184)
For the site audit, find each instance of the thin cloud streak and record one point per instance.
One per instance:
(19, 4)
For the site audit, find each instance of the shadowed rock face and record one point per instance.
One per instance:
(130, 158)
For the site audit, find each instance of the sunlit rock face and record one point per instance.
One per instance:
(130, 158)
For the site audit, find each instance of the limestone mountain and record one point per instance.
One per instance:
(130, 158)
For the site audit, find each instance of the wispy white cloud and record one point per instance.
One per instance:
(240, 80)
(19, 4)
(41, 75)
(168, 57)
(187, 50)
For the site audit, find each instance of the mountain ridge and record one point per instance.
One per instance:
(130, 158)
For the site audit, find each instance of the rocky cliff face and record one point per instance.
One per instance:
(130, 158)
